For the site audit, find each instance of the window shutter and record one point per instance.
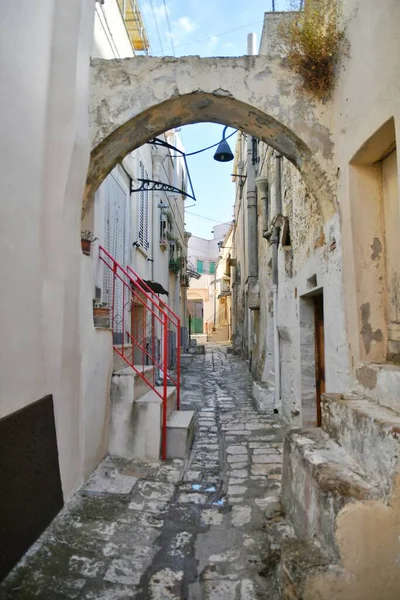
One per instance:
(143, 211)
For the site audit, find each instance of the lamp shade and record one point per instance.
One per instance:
(223, 152)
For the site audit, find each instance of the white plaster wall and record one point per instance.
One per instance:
(45, 153)
(97, 362)
(367, 95)
(111, 39)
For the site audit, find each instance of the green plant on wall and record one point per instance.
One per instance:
(173, 238)
(168, 214)
(176, 264)
(313, 40)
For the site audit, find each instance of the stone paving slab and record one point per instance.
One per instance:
(195, 529)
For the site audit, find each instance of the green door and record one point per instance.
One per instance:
(195, 308)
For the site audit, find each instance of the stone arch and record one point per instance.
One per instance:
(133, 100)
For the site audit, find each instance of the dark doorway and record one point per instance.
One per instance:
(319, 352)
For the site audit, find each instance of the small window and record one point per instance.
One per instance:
(212, 268)
(200, 266)
(163, 231)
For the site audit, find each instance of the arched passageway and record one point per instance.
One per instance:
(133, 100)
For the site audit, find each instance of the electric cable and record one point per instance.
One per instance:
(169, 27)
(156, 24)
(208, 147)
(212, 37)
(188, 212)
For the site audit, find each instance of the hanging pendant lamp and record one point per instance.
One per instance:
(223, 152)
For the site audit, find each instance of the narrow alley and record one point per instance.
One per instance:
(196, 529)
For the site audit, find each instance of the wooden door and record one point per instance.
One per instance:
(319, 353)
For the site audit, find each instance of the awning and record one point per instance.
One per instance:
(155, 287)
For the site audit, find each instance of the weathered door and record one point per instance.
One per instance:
(319, 352)
(195, 308)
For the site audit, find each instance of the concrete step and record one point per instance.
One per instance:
(318, 480)
(180, 433)
(151, 397)
(186, 359)
(140, 386)
(135, 424)
(368, 432)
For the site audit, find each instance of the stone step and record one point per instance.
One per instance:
(368, 432)
(135, 425)
(180, 433)
(318, 480)
(151, 397)
(140, 386)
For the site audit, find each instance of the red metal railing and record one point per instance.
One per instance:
(142, 332)
(174, 326)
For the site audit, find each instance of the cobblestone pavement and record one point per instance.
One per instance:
(193, 530)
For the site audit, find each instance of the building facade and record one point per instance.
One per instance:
(340, 482)
(203, 256)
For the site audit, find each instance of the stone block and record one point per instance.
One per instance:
(264, 396)
(300, 559)
(318, 480)
(370, 433)
(180, 433)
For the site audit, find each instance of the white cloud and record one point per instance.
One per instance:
(186, 24)
(172, 36)
(212, 42)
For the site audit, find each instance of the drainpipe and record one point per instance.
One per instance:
(252, 249)
(263, 195)
(252, 254)
(275, 276)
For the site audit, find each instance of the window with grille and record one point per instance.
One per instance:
(212, 267)
(200, 266)
(143, 211)
(116, 242)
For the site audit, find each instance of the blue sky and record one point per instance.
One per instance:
(205, 28)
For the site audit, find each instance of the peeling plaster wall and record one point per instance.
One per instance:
(366, 98)
(314, 255)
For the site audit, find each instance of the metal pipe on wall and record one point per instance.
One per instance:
(251, 196)
(275, 278)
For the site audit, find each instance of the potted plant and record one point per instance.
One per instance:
(101, 313)
(87, 238)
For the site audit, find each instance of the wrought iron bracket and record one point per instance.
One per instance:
(148, 185)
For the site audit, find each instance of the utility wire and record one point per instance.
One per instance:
(156, 24)
(188, 212)
(212, 37)
(169, 27)
(204, 149)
